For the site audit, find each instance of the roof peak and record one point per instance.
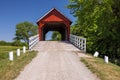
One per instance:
(51, 11)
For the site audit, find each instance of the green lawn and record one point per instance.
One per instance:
(4, 51)
(11, 69)
(101, 69)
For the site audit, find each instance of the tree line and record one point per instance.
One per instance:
(99, 22)
(14, 43)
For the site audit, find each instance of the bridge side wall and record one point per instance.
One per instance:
(78, 42)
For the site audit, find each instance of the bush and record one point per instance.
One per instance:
(4, 43)
(19, 43)
(15, 43)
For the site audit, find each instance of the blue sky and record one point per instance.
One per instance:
(13, 12)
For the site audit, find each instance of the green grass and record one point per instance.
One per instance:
(11, 69)
(4, 50)
(101, 69)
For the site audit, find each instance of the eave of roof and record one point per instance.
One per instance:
(49, 12)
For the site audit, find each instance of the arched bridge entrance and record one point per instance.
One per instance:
(54, 21)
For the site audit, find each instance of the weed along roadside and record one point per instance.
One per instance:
(101, 69)
(11, 69)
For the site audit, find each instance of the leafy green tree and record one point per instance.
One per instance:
(99, 22)
(25, 30)
(56, 36)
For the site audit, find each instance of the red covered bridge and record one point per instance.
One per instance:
(54, 21)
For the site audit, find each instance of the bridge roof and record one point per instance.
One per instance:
(54, 11)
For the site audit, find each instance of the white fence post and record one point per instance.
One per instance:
(79, 42)
(18, 52)
(96, 54)
(24, 49)
(11, 56)
(84, 44)
(106, 59)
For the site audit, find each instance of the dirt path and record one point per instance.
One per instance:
(56, 61)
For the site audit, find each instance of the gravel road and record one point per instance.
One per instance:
(56, 61)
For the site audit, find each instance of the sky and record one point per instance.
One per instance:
(13, 12)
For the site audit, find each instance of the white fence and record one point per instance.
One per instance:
(33, 41)
(78, 42)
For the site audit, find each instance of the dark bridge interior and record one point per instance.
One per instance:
(60, 27)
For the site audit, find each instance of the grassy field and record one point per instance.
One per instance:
(11, 69)
(101, 69)
(4, 50)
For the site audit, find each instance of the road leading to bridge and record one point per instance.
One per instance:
(56, 61)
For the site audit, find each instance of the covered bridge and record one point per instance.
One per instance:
(54, 20)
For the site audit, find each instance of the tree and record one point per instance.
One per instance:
(99, 22)
(25, 30)
(56, 36)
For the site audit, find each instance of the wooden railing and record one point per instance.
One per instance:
(75, 40)
(33, 41)
(78, 42)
